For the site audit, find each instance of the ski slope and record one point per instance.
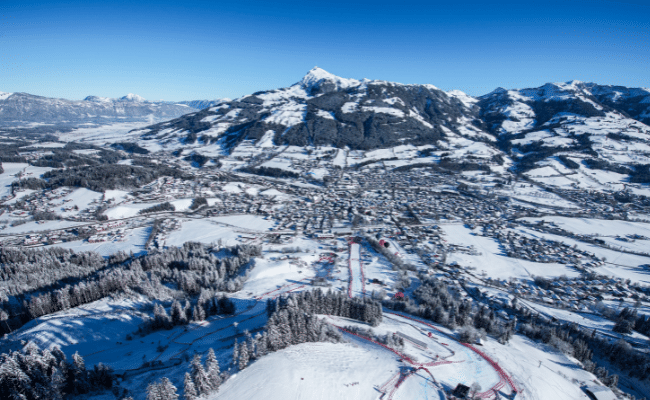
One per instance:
(314, 371)
(357, 279)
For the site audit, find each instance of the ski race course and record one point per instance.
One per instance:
(357, 286)
(433, 359)
(463, 363)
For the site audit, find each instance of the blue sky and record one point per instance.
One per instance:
(181, 50)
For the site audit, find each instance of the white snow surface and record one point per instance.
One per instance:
(252, 222)
(315, 370)
(316, 76)
(464, 98)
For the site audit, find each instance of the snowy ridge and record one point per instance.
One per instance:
(23, 109)
(132, 98)
(466, 99)
(318, 77)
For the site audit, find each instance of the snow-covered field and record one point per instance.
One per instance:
(118, 132)
(252, 222)
(315, 370)
(134, 241)
(7, 177)
(204, 231)
(81, 198)
(127, 210)
(597, 227)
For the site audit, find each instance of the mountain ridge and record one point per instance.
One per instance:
(523, 129)
(23, 108)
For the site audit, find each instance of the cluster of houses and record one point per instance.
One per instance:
(55, 202)
(540, 250)
(578, 294)
(109, 231)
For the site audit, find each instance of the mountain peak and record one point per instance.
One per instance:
(97, 99)
(318, 78)
(133, 98)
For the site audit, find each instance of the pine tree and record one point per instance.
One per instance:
(187, 308)
(11, 371)
(243, 357)
(198, 314)
(250, 343)
(154, 392)
(5, 318)
(189, 390)
(79, 374)
(199, 376)
(235, 353)
(212, 369)
(178, 316)
(168, 390)
(260, 347)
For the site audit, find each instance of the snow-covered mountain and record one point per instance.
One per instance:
(323, 109)
(24, 108)
(570, 126)
(201, 104)
(579, 124)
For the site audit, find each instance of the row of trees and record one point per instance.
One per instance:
(198, 202)
(440, 306)
(33, 374)
(628, 320)
(166, 206)
(202, 380)
(270, 171)
(391, 340)
(41, 282)
(100, 177)
(571, 343)
(204, 308)
(292, 320)
(330, 303)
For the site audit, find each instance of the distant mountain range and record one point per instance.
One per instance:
(519, 127)
(559, 125)
(23, 108)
